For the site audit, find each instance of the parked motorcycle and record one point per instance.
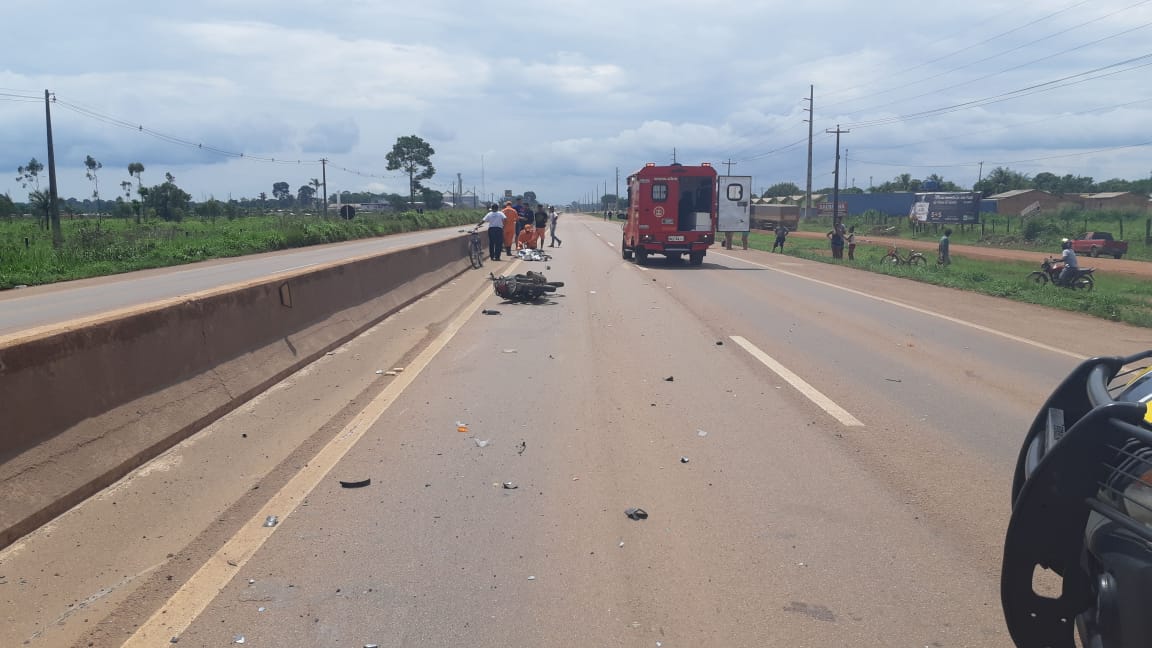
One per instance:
(1050, 270)
(527, 287)
(1082, 510)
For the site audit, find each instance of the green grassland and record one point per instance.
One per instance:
(95, 247)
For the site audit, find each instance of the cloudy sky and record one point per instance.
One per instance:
(554, 97)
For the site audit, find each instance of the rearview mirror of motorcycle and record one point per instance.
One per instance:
(1082, 513)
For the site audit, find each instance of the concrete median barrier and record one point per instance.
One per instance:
(81, 407)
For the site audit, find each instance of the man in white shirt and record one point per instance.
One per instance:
(495, 221)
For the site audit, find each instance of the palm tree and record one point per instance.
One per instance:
(316, 185)
(136, 169)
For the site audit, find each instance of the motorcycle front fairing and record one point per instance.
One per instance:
(1072, 513)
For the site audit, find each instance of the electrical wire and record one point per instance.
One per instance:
(1062, 82)
(959, 51)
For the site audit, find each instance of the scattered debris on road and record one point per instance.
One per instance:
(482, 443)
(521, 447)
(636, 513)
(670, 379)
(490, 312)
(893, 380)
(683, 459)
(238, 639)
(461, 427)
(398, 369)
(509, 350)
(379, 372)
(719, 342)
(510, 486)
(271, 521)
(701, 433)
(355, 484)
(531, 578)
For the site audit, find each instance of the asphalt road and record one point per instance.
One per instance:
(42, 307)
(856, 494)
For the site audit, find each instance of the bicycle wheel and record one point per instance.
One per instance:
(476, 255)
(917, 259)
(890, 259)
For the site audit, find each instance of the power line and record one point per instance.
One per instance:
(1035, 159)
(1008, 69)
(1014, 94)
(959, 51)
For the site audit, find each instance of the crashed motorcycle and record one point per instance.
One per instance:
(527, 287)
(1082, 513)
(1049, 273)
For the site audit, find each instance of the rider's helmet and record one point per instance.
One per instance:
(1065, 244)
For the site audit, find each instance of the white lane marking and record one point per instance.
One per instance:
(194, 596)
(922, 311)
(813, 394)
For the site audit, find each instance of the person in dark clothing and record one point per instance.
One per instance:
(524, 216)
(836, 238)
(540, 222)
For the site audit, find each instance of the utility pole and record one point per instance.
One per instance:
(324, 181)
(616, 203)
(811, 117)
(53, 205)
(728, 163)
(673, 155)
(980, 176)
(836, 178)
(483, 190)
(459, 191)
(846, 176)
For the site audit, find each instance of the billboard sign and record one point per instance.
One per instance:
(946, 207)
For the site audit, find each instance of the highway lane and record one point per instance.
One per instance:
(786, 526)
(47, 306)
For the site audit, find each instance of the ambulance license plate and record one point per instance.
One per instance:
(675, 239)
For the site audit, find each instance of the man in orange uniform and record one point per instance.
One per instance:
(510, 217)
(527, 239)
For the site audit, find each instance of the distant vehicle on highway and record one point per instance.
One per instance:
(1096, 243)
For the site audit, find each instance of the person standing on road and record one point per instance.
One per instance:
(524, 217)
(781, 235)
(552, 217)
(852, 243)
(495, 221)
(510, 218)
(943, 250)
(744, 239)
(540, 222)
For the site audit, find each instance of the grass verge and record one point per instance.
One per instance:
(98, 247)
(1115, 297)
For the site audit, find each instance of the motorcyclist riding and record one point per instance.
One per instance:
(1070, 264)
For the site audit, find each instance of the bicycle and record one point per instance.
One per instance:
(913, 258)
(475, 247)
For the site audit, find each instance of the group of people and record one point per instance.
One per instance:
(519, 226)
(838, 237)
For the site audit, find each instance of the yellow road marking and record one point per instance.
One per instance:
(206, 584)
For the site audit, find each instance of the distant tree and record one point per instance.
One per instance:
(136, 170)
(304, 194)
(30, 174)
(942, 184)
(169, 201)
(7, 207)
(781, 189)
(316, 185)
(126, 187)
(1115, 184)
(414, 156)
(30, 177)
(1000, 180)
(530, 197)
(263, 199)
(281, 192)
(432, 199)
(92, 166)
(210, 209)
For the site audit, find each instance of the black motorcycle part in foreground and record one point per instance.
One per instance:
(1078, 489)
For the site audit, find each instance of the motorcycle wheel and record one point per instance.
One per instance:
(1083, 283)
(1038, 278)
(556, 284)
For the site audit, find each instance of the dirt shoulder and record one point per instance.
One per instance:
(1118, 266)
